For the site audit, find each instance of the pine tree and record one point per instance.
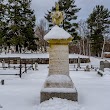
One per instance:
(29, 19)
(3, 21)
(98, 23)
(22, 22)
(97, 42)
(69, 9)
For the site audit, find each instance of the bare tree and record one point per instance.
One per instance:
(40, 33)
(84, 33)
(106, 39)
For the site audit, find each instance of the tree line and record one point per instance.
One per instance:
(17, 27)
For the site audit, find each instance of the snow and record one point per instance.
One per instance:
(58, 79)
(59, 104)
(107, 71)
(37, 55)
(57, 33)
(106, 52)
(63, 90)
(24, 93)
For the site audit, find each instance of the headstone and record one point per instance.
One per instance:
(3, 63)
(36, 66)
(87, 68)
(78, 64)
(104, 64)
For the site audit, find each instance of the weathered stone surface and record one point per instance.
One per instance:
(58, 81)
(87, 68)
(58, 60)
(60, 86)
(104, 64)
(64, 95)
(78, 64)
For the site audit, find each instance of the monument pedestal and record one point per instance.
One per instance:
(70, 94)
(60, 86)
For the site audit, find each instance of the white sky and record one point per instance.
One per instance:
(41, 6)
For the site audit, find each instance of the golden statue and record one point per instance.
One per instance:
(57, 16)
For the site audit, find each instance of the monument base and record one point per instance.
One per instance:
(60, 86)
(69, 94)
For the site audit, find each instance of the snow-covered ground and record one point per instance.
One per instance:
(24, 93)
(38, 55)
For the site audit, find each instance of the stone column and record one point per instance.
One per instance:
(58, 58)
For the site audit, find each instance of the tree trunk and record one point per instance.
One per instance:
(103, 48)
(83, 47)
(89, 49)
(17, 48)
(20, 49)
(79, 47)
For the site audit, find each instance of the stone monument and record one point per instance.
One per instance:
(58, 83)
(104, 64)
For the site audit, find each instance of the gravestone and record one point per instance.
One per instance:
(104, 64)
(87, 68)
(78, 64)
(36, 66)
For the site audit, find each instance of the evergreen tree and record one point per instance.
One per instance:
(3, 21)
(69, 9)
(21, 23)
(97, 42)
(98, 23)
(29, 19)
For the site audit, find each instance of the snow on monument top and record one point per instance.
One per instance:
(57, 33)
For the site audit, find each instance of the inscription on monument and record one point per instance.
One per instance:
(58, 61)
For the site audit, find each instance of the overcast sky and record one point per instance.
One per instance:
(41, 6)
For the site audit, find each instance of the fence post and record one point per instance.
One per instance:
(25, 66)
(32, 64)
(8, 62)
(20, 69)
(2, 82)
